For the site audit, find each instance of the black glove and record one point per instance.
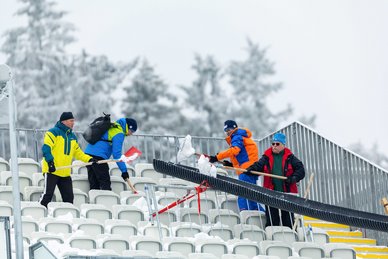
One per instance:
(93, 160)
(125, 176)
(291, 179)
(51, 166)
(248, 171)
(227, 163)
(213, 159)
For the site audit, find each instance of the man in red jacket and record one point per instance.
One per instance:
(279, 160)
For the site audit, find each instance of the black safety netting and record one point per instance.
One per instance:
(276, 199)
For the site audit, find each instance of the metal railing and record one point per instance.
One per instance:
(342, 177)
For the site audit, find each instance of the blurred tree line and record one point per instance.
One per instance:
(49, 81)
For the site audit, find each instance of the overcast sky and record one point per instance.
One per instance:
(331, 55)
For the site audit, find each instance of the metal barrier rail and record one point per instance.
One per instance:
(342, 178)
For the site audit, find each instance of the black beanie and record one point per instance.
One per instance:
(132, 124)
(66, 116)
(230, 124)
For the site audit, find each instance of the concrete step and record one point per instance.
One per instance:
(372, 256)
(353, 241)
(339, 233)
(327, 225)
(371, 249)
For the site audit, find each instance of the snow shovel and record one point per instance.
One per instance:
(198, 190)
(254, 172)
(384, 201)
(130, 155)
(186, 150)
(306, 194)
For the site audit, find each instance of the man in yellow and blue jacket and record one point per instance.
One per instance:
(59, 148)
(110, 144)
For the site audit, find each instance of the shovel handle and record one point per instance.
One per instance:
(306, 195)
(254, 172)
(131, 186)
(86, 164)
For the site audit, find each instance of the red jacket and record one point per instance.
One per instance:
(291, 165)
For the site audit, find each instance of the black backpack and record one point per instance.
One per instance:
(97, 128)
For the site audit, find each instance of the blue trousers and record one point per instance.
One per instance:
(244, 204)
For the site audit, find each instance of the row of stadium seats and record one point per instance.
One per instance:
(119, 238)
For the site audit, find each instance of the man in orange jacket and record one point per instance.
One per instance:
(243, 152)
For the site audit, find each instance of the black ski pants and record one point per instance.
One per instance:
(272, 216)
(65, 186)
(98, 176)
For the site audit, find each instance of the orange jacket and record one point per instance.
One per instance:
(242, 150)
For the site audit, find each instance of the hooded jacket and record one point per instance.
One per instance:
(61, 146)
(242, 150)
(111, 143)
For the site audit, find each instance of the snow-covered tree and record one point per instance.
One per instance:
(95, 80)
(251, 86)
(205, 100)
(147, 99)
(36, 52)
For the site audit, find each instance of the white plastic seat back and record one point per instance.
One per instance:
(116, 243)
(29, 225)
(4, 166)
(104, 197)
(225, 217)
(277, 248)
(27, 165)
(140, 182)
(24, 179)
(253, 217)
(128, 212)
(214, 247)
(247, 248)
(45, 236)
(340, 250)
(96, 211)
(185, 229)
(281, 233)
(6, 209)
(88, 226)
(81, 169)
(118, 185)
(251, 232)
(81, 182)
(37, 179)
(6, 194)
(56, 209)
(120, 227)
(309, 249)
(84, 241)
(55, 225)
(182, 245)
(230, 203)
(150, 244)
(128, 197)
(224, 232)
(33, 209)
(34, 193)
(191, 215)
(79, 197)
(206, 203)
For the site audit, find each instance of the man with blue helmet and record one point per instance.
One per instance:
(110, 144)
